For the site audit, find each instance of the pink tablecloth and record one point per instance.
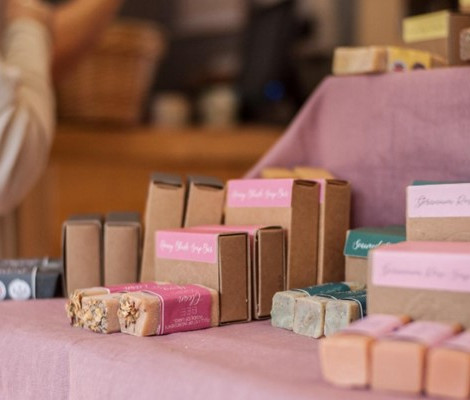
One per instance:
(380, 133)
(42, 357)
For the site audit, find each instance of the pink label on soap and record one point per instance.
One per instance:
(374, 325)
(183, 308)
(451, 200)
(260, 193)
(187, 245)
(449, 272)
(426, 332)
(132, 287)
(460, 342)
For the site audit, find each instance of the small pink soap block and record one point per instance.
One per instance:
(398, 360)
(345, 356)
(448, 368)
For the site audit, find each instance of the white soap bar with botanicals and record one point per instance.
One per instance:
(283, 308)
(340, 313)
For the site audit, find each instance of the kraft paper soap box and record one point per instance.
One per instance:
(218, 260)
(425, 280)
(464, 6)
(205, 198)
(122, 237)
(23, 279)
(301, 172)
(164, 210)
(360, 241)
(437, 32)
(290, 203)
(81, 251)
(267, 263)
(438, 211)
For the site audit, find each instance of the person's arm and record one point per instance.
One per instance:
(26, 105)
(77, 25)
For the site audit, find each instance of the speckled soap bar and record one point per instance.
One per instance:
(99, 313)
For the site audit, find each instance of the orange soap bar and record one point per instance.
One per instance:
(398, 360)
(448, 368)
(345, 356)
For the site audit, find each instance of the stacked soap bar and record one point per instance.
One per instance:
(386, 352)
(377, 59)
(284, 303)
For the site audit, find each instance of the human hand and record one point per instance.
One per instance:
(32, 9)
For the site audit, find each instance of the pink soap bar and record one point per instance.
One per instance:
(345, 356)
(398, 360)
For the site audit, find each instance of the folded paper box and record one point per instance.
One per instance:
(425, 280)
(290, 203)
(218, 260)
(164, 210)
(360, 241)
(122, 237)
(438, 211)
(204, 201)
(267, 249)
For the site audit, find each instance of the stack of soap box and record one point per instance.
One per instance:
(218, 259)
(438, 211)
(360, 241)
(425, 280)
(144, 309)
(378, 59)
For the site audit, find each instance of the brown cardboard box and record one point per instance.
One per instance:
(290, 203)
(267, 263)
(218, 260)
(425, 280)
(438, 211)
(204, 201)
(122, 233)
(437, 32)
(164, 210)
(81, 252)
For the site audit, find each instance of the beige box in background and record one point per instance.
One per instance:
(164, 210)
(204, 201)
(438, 211)
(218, 260)
(290, 203)
(122, 237)
(81, 252)
(277, 173)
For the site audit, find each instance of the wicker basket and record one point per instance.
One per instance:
(112, 82)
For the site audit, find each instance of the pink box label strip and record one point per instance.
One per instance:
(260, 193)
(460, 342)
(375, 325)
(429, 333)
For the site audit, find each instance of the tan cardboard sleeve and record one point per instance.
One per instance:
(204, 201)
(81, 249)
(356, 269)
(121, 246)
(164, 210)
(452, 229)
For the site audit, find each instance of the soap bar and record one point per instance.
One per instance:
(345, 356)
(73, 306)
(398, 360)
(309, 314)
(99, 313)
(359, 60)
(283, 306)
(465, 44)
(448, 368)
(173, 308)
(340, 313)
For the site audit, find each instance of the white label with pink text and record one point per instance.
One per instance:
(260, 193)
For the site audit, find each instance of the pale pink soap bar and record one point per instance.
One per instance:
(448, 368)
(169, 309)
(99, 313)
(345, 356)
(398, 360)
(426, 280)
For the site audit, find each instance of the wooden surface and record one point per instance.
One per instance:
(101, 169)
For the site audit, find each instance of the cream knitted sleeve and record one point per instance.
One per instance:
(26, 109)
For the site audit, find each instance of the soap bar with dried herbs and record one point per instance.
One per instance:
(73, 306)
(99, 313)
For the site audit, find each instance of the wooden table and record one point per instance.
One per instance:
(102, 169)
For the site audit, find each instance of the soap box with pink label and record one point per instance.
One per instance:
(425, 280)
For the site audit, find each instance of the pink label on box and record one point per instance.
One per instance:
(460, 342)
(187, 245)
(183, 308)
(259, 193)
(451, 200)
(374, 325)
(450, 272)
(132, 287)
(426, 332)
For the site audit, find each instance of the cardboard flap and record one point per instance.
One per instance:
(122, 218)
(169, 179)
(209, 181)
